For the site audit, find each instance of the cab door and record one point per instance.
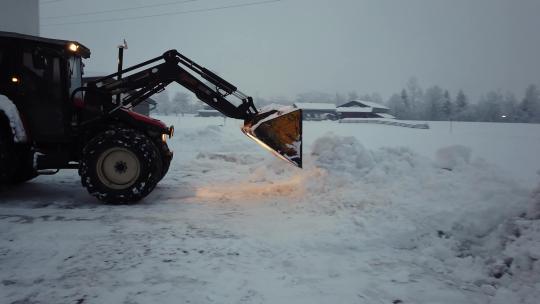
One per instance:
(43, 95)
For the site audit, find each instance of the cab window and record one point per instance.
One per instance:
(75, 74)
(41, 71)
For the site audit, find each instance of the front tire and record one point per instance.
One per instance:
(120, 166)
(166, 157)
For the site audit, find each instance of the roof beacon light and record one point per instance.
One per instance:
(73, 47)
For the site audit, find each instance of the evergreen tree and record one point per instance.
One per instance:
(396, 106)
(404, 104)
(509, 109)
(433, 103)
(530, 106)
(461, 107)
(405, 99)
(461, 101)
(489, 107)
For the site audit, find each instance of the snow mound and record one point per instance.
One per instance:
(453, 156)
(348, 161)
(341, 154)
(513, 263)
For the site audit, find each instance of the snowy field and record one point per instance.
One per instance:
(379, 214)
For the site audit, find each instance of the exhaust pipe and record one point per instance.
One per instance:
(279, 131)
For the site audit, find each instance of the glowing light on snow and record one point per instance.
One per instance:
(248, 191)
(261, 143)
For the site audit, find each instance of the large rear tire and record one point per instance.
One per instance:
(8, 157)
(120, 166)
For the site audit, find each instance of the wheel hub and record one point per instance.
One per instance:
(118, 168)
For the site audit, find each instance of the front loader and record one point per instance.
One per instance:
(50, 121)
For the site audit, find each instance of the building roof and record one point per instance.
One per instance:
(315, 106)
(386, 115)
(360, 103)
(354, 109)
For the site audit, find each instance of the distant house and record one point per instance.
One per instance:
(363, 109)
(208, 111)
(145, 107)
(317, 111)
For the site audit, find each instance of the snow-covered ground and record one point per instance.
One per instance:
(379, 214)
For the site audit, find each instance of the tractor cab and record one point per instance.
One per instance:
(38, 75)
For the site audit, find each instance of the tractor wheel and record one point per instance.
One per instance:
(120, 166)
(166, 157)
(8, 157)
(165, 165)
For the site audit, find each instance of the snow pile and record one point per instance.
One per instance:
(462, 223)
(511, 254)
(349, 162)
(516, 270)
(453, 156)
(342, 154)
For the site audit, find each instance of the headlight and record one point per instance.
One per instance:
(164, 137)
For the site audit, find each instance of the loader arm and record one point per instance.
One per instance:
(139, 86)
(278, 131)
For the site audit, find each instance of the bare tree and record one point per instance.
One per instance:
(180, 103)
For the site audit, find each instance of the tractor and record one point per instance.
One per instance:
(50, 120)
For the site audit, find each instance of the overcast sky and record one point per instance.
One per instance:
(286, 47)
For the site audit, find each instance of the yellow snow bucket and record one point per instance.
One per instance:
(279, 131)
